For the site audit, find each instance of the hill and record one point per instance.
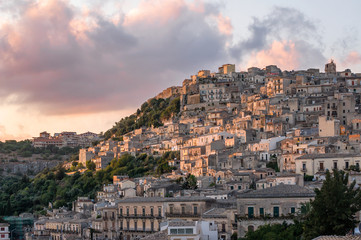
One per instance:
(150, 114)
(54, 186)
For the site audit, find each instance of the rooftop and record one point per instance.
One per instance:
(327, 155)
(279, 191)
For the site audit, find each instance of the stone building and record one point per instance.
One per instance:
(271, 205)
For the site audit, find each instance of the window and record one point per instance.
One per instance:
(334, 165)
(121, 225)
(159, 211)
(261, 212)
(135, 225)
(143, 210)
(346, 165)
(321, 166)
(195, 210)
(251, 228)
(135, 211)
(127, 225)
(250, 212)
(143, 226)
(171, 209)
(183, 209)
(127, 211)
(151, 212)
(276, 211)
(293, 210)
(152, 226)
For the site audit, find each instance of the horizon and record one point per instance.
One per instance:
(80, 66)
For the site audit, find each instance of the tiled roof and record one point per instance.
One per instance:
(162, 235)
(176, 223)
(215, 212)
(327, 155)
(281, 190)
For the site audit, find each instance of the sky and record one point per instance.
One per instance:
(82, 65)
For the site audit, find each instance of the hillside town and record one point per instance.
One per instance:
(257, 142)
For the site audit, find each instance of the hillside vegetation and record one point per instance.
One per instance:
(19, 195)
(150, 114)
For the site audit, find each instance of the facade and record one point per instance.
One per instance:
(310, 164)
(4, 231)
(270, 205)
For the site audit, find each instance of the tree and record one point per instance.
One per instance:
(60, 173)
(276, 231)
(332, 212)
(90, 165)
(190, 182)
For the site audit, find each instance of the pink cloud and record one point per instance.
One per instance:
(156, 11)
(65, 60)
(352, 58)
(224, 24)
(284, 54)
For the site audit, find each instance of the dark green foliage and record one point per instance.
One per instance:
(307, 178)
(150, 114)
(354, 168)
(190, 182)
(273, 165)
(19, 195)
(25, 149)
(277, 231)
(90, 165)
(332, 212)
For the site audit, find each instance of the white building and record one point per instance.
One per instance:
(4, 231)
(196, 230)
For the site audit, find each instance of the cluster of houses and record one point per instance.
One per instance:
(65, 139)
(232, 128)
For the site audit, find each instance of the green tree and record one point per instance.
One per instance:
(60, 173)
(90, 165)
(190, 182)
(332, 212)
(277, 231)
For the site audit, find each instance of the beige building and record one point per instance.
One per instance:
(328, 126)
(310, 164)
(271, 205)
(134, 218)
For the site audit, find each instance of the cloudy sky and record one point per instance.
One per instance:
(79, 65)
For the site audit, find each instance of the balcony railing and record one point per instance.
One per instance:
(139, 216)
(139, 230)
(180, 215)
(303, 169)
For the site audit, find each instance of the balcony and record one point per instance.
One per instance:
(140, 216)
(183, 215)
(132, 230)
(303, 169)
